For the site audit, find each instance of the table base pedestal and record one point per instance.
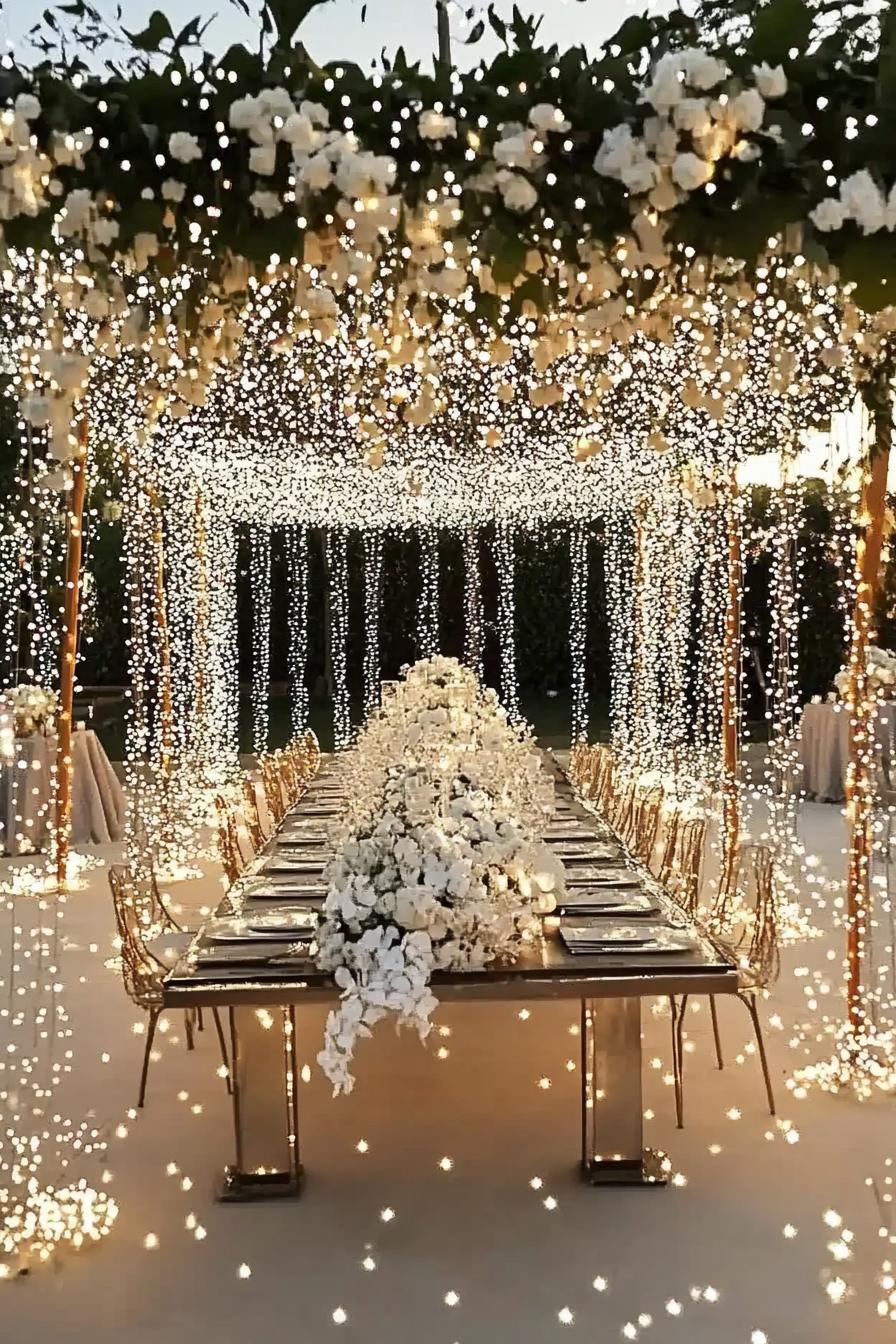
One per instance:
(240, 1187)
(613, 1150)
(265, 1106)
(651, 1170)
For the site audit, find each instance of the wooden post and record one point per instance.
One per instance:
(862, 707)
(68, 656)
(731, 651)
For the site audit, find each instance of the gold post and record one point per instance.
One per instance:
(859, 783)
(730, 705)
(68, 656)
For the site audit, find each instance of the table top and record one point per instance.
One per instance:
(547, 970)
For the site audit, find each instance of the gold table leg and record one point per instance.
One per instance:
(613, 1150)
(265, 1106)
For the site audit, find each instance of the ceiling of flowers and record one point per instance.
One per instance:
(539, 289)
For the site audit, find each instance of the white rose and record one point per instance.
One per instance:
(27, 107)
(172, 190)
(770, 80)
(864, 201)
(76, 212)
(299, 132)
(640, 175)
(518, 193)
(828, 215)
(184, 147)
(104, 231)
(692, 114)
(666, 89)
(267, 203)
(690, 172)
(433, 125)
(316, 173)
(701, 70)
(145, 245)
(277, 102)
(263, 160)
(747, 110)
(315, 112)
(244, 112)
(545, 117)
(516, 151)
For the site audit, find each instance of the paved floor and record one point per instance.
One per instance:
(491, 1239)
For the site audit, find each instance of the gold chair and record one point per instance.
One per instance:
(646, 822)
(272, 791)
(234, 840)
(254, 824)
(143, 969)
(744, 926)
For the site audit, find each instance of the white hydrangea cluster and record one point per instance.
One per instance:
(441, 867)
(860, 200)
(692, 129)
(880, 674)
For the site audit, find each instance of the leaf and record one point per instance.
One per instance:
(287, 15)
(508, 255)
(154, 34)
(474, 34)
(778, 27)
(498, 26)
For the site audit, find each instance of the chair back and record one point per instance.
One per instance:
(252, 813)
(141, 972)
(745, 920)
(683, 859)
(646, 821)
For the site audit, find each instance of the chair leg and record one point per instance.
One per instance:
(223, 1044)
(753, 1010)
(679, 1038)
(200, 1024)
(188, 1027)
(154, 1014)
(715, 1030)
(676, 1065)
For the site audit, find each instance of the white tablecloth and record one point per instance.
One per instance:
(27, 804)
(825, 747)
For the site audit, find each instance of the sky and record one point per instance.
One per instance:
(335, 30)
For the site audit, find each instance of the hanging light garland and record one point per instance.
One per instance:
(428, 601)
(504, 546)
(373, 582)
(578, 630)
(260, 584)
(297, 570)
(337, 589)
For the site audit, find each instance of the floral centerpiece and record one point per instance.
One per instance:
(30, 708)
(441, 867)
(880, 674)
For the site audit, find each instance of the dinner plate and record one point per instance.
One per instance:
(597, 876)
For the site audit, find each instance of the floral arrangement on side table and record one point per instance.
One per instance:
(880, 674)
(441, 867)
(31, 708)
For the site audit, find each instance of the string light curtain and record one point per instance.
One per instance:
(578, 630)
(619, 557)
(337, 591)
(504, 549)
(260, 580)
(428, 604)
(373, 577)
(296, 536)
(472, 601)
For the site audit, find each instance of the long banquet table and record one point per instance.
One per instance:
(262, 986)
